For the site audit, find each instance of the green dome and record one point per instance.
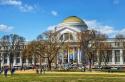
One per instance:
(73, 19)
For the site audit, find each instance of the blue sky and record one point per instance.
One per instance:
(29, 18)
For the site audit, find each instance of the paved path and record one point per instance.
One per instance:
(33, 71)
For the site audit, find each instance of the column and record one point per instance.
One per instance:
(21, 61)
(2, 60)
(14, 60)
(27, 62)
(121, 56)
(62, 58)
(78, 58)
(20, 58)
(68, 57)
(57, 58)
(46, 60)
(8, 60)
(33, 60)
(97, 57)
(73, 54)
(105, 53)
(113, 57)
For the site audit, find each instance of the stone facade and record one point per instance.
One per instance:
(68, 30)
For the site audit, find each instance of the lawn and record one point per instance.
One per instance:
(64, 77)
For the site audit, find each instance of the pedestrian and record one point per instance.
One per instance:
(44, 69)
(5, 71)
(37, 71)
(41, 70)
(1, 70)
(12, 71)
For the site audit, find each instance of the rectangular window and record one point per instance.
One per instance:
(5, 58)
(109, 55)
(17, 60)
(117, 44)
(117, 55)
(17, 57)
(30, 60)
(101, 57)
(124, 56)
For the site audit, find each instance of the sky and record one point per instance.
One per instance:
(29, 18)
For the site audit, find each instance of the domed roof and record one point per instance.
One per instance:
(73, 19)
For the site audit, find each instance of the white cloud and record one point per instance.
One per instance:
(5, 28)
(51, 27)
(100, 27)
(11, 2)
(18, 4)
(26, 8)
(116, 2)
(54, 13)
(105, 29)
(122, 31)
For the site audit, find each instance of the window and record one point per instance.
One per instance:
(117, 44)
(5, 58)
(66, 36)
(30, 60)
(123, 44)
(109, 56)
(18, 58)
(61, 38)
(124, 56)
(117, 55)
(101, 56)
(71, 37)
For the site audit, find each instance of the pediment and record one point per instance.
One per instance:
(68, 29)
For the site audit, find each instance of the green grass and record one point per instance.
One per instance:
(62, 77)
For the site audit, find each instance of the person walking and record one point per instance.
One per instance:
(44, 69)
(5, 71)
(1, 70)
(12, 71)
(37, 70)
(41, 70)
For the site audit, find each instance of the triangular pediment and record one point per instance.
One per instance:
(68, 29)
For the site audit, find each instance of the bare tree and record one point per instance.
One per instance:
(30, 51)
(12, 46)
(53, 45)
(119, 36)
(101, 48)
(89, 42)
(86, 40)
(47, 47)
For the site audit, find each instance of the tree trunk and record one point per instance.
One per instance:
(22, 64)
(83, 60)
(0, 60)
(41, 69)
(49, 65)
(84, 68)
(10, 63)
(90, 65)
(0, 64)
(100, 61)
(35, 60)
